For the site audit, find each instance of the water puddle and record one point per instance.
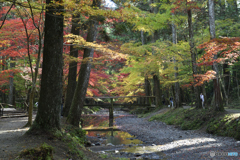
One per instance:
(118, 143)
(115, 137)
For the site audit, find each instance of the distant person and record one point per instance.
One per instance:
(163, 100)
(202, 99)
(171, 101)
(36, 104)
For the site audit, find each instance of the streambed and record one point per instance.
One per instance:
(160, 141)
(117, 143)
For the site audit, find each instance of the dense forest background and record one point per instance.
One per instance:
(164, 48)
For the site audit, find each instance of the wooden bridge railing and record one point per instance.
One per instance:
(25, 107)
(110, 105)
(1, 109)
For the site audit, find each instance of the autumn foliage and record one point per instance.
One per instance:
(227, 50)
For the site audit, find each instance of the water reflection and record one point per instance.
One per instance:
(123, 144)
(115, 137)
(142, 149)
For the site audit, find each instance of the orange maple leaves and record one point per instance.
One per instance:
(227, 51)
(201, 78)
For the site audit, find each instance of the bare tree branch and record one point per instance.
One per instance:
(7, 14)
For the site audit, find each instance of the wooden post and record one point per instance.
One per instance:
(1, 109)
(156, 102)
(112, 132)
(150, 101)
(111, 113)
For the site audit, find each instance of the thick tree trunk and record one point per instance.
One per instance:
(237, 87)
(177, 103)
(204, 92)
(74, 116)
(11, 85)
(30, 107)
(48, 115)
(72, 74)
(217, 90)
(156, 90)
(4, 67)
(226, 74)
(225, 82)
(193, 56)
(147, 87)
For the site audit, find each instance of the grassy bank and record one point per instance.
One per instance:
(227, 125)
(218, 123)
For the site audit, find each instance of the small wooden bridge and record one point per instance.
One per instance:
(8, 110)
(148, 101)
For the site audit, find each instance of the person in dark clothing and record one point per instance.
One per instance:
(171, 101)
(163, 100)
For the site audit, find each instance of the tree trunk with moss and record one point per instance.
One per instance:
(218, 105)
(157, 90)
(77, 105)
(193, 56)
(72, 74)
(48, 115)
(177, 103)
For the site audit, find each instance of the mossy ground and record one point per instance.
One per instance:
(219, 123)
(44, 152)
(227, 125)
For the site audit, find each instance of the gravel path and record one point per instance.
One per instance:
(177, 144)
(10, 134)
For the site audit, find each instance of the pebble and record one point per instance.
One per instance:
(97, 144)
(109, 144)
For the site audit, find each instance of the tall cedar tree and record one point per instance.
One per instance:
(48, 115)
(177, 86)
(216, 82)
(74, 116)
(193, 56)
(72, 75)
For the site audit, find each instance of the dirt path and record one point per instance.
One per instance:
(10, 136)
(171, 142)
(13, 140)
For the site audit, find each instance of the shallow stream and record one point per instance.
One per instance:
(117, 143)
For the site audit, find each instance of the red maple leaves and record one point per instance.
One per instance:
(227, 51)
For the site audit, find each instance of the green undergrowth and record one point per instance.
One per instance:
(44, 152)
(143, 111)
(234, 103)
(75, 139)
(69, 143)
(217, 123)
(72, 138)
(227, 125)
(187, 119)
